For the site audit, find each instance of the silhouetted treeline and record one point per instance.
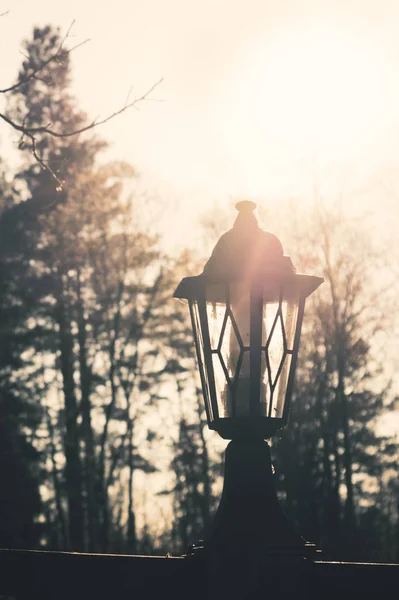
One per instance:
(332, 466)
(98, 379)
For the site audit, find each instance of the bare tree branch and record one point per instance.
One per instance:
(32, 132)
(26, 133)
(54, 57)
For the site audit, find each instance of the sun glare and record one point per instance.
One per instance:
(316, 93)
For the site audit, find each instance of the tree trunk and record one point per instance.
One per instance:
(330, 524)
(131, 524)
(103, 483)
(207, 495)
(88, 438)
(349, 508)
(73, 470)
(63, 534)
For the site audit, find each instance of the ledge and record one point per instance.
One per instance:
(57, 575)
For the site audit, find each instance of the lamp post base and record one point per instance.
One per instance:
(250, 520)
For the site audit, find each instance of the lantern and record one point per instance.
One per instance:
(246, 310)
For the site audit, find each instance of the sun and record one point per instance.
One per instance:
(320, 92)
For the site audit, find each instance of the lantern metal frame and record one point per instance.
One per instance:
(194, 289)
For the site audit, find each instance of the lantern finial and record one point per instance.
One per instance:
(247, 220)
(245, 205)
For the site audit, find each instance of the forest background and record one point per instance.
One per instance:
(102, 433)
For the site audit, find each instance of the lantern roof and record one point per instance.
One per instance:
(246, 248)
(247, 252)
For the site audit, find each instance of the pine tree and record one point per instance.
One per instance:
(20, 504)
(193, 464)
(99, 288)
(334, 474)
(329, 452)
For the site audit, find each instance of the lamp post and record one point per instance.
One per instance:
(246, 310)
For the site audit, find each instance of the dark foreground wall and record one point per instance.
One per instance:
(59, 575)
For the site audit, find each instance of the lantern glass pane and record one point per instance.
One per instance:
(199, 344)
(229, 350)
(278, 332)
(290, 315)
(222, 390)
(272, 336)
(281, 388)
(228, 312)
(216, 312)
(240, 310)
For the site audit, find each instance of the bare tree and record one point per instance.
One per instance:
(33, 71)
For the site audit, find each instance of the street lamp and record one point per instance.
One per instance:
(246, 310)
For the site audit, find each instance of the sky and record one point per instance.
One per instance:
(258, 97)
